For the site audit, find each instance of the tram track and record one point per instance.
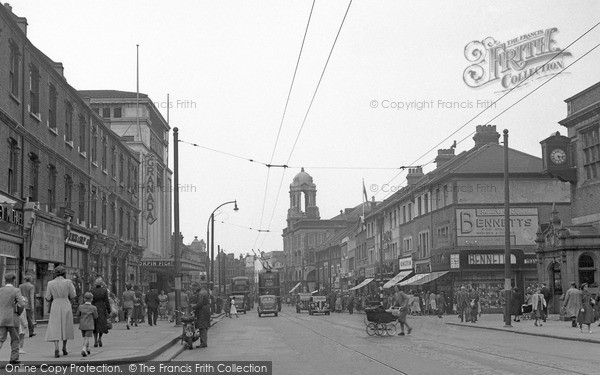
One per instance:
(454, 346)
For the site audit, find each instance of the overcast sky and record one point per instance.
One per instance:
(228, 65)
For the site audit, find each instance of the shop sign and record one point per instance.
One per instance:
(157, 263)
(9, 249)
(423, 267)
(405, 263)
(454, 260)
(150, 214)
(369, 272)
(489, 259)
(485, 226)
(48, 242)
(77, 239)
(11, 220)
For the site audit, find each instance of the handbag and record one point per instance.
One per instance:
(109, 324)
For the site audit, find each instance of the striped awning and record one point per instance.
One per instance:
(396, 279)
(365, 282)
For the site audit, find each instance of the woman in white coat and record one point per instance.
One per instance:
(60, 322)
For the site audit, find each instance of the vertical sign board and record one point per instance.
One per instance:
(150, 184)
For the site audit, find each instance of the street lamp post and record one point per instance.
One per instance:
(211, 221)
(177, 235)
(507, 265)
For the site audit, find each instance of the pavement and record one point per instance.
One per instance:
(139, 344)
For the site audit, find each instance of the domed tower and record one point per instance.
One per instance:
(303, 198)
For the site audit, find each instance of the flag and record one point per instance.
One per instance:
(365, 192)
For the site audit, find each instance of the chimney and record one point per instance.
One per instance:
(485, 134)
(414, 175)
(21, 21)
(58, 66)
(443, 156)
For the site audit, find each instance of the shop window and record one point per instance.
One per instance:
(586, 269)
(556, 279)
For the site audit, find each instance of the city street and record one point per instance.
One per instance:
(339, 344)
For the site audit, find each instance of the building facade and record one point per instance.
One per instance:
(570, 252)
(451, 221)
(66, 199)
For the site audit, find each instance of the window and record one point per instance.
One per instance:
(14, 68)
(135, 180)
(117, 112)
(113, 218)
(419, 206)
(121, 222)
(106, 112)
(591, 152)
(135, 228)
(81, 202)
(438, 199)
(104, 153)
(93, 204)
(445, 195)
(128, 226)
(403, 214)
(113, 162)
(52, 95)
(407, 244)
(94, 144)
(68, 190)
(68, 121)
(52, 173)
(104, 207)
(426, 203)
(121, 169)
(443, 232)
(13, 165)
(34, 167)
(34, 90)
(409, 211)
(82, 134)
(424, 248)
(586, 269)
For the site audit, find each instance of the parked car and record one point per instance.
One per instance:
(303, 302)
(319, 305)
(267, 304)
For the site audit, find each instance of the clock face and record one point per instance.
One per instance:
(558, 156)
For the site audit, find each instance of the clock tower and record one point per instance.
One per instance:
(558, 158)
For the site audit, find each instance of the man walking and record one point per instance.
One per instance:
(547, 295)
(462, 303)
(11, 306)
(401, 301)
(28, 291)
(441, 304)
(572, 304)
(152, 303)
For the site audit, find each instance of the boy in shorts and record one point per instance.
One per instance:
(87, 313)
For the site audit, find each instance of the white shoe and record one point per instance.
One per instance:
(21, 351)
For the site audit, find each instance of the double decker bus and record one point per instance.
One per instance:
(240, 289)
(268, 284)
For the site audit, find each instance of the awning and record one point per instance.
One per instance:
(413, 279)
(396, 279)
(430, 277)
(294, 288)
(365, 282)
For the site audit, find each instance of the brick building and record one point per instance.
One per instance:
(67, 199)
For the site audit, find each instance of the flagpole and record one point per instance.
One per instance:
(137, 89)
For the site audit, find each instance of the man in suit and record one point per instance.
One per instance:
(152, 303)
(28, 291)
(547, 296)
(462, 303)
(11, 306)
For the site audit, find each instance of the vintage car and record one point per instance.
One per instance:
(303, 302)
(318, 305)
(267, 304)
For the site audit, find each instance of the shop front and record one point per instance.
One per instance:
(76, 253)
(11, 235)
(484, 270)
(47, 251)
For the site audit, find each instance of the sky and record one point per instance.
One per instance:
(392, 93)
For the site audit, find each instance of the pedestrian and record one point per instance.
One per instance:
(547, 296)
(88, 314)
(233, 309)
(28, 291)
(586, 314)
(440, 303)
(185, 302)
(102, 304)
(433, 302)
(415, 305)
(152, 302)
(516, 304)
(539, 302)
(171, 305)
(22, 328)
(338, 304)
(462, 303)
(11, 307)
(401, 301)
(350, 304)
(163, 300)
(129, 299)
(202, 312)
(138, 306)
(60, 322)
(227, 307)
(474, 305)
(572, 303)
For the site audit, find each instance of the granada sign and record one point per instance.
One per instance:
(513, 61)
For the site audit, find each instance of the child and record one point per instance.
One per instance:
(233, 309)
(87, 313)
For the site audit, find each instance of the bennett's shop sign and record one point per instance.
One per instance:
(488, 259)
(485, 226)
(510, 63)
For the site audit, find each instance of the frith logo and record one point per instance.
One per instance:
(514, 61)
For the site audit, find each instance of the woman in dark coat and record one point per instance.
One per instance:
(516, 303)
(103, 305)
(586, 314)
(202, 312)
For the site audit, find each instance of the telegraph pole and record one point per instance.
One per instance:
(507, 270)
(176, 236)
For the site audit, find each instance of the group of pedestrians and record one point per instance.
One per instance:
(580, 305)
